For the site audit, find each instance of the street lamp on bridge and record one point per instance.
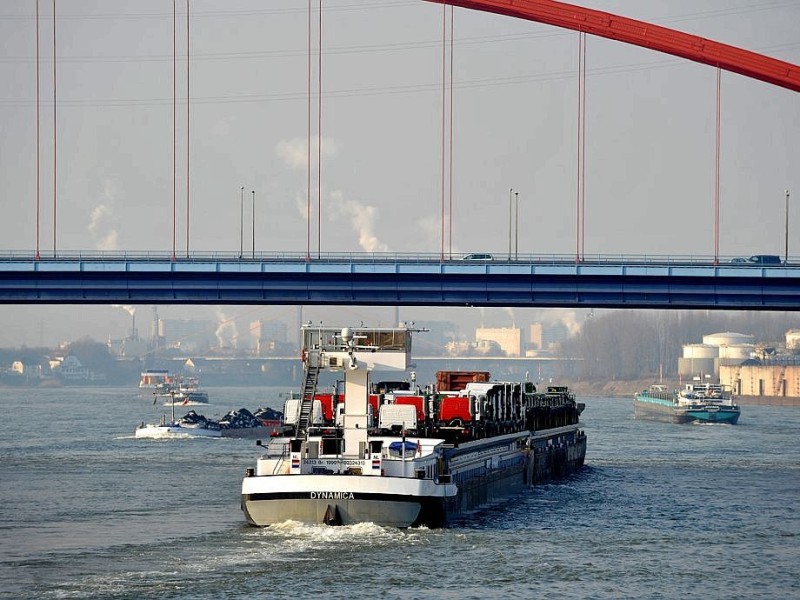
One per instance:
(516, 225)
(786, 248)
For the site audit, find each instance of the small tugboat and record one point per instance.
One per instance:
(696, 403)
(184, 391)
(397, 455)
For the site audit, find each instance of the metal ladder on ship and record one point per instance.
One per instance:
(312, 368)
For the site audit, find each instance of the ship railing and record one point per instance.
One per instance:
(281, 460)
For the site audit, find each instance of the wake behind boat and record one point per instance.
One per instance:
(696, 403)
(405, 457)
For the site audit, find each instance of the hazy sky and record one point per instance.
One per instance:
(649, 154)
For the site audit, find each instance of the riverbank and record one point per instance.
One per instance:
(612, 389)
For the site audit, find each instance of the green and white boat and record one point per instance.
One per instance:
(696, 403)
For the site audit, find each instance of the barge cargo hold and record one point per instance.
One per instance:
(397, 455)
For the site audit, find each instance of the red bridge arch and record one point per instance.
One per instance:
(647, 35)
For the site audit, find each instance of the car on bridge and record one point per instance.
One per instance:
(759, 260)
(478, 257)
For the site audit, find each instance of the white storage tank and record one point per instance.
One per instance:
(700, 351)
(728, 339)
(793, 339)
(736, 351)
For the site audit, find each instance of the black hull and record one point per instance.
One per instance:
(649, 411)
(544, 463)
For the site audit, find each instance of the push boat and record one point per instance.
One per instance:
(696, 403)
(182, 392)
(185, 391)
(397, 455)
(152, 380)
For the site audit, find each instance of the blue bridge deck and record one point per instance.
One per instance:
(396, 279)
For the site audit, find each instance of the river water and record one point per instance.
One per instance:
(659, 511)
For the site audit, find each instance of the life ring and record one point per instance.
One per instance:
(303, 355)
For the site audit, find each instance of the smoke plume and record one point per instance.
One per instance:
(101, 228)
(102, 222)
(226, 332)
(362, 219)
(131, 310)
(294, 152)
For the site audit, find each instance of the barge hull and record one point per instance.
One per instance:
(551, 457)
(268, 509)
(650, 411)
(271, 499)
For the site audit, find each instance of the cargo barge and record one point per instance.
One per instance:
(399, 455)
(706, 403)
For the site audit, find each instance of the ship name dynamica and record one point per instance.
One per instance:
(397, 455)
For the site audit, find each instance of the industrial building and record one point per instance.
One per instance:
(755, 373)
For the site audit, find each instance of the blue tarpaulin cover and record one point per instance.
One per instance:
(398, 446)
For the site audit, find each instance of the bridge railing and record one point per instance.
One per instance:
(375, 257)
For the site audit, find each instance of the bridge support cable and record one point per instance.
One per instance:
(174, 126)
(717, 168)
(314, 59)
(583, 150)
(450, 173)
(446, 209)
(319, 133)
(308, 143)
(639, 33)
(55, 136)
(187, 128)
(38, 151)
(580, 152)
